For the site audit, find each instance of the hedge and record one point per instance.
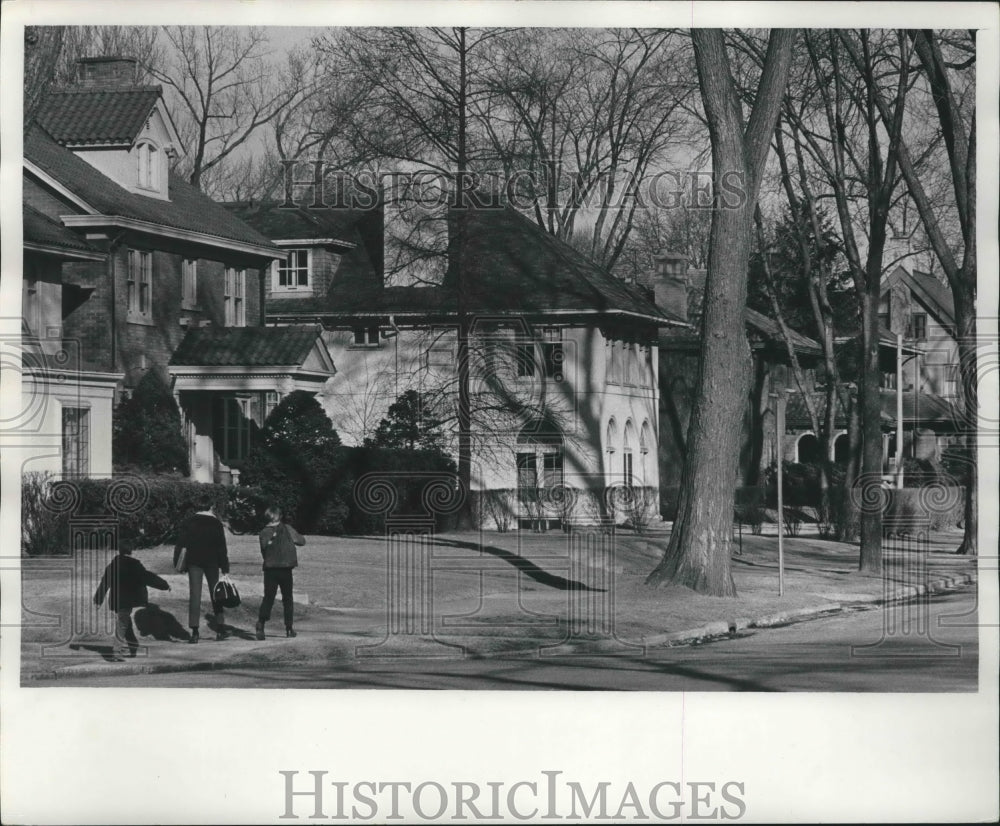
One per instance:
(148, 509)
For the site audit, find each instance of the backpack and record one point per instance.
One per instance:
(225, 594)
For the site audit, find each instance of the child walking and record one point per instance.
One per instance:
(126, 578)
(277, 547)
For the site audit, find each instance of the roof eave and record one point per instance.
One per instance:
(122, 222)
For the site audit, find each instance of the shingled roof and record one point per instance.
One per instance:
(281, 223)
(511, 266)
(927, 410)
(188, 208)
(42, 230)
(80, 117)
(245, 346)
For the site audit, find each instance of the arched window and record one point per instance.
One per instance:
(808, 449)
(147, 165)
(611, 436)
(628, 442)
(645, 444)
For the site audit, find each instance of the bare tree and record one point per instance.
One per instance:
(698, 552)
(227, 88)
(42, 47)
(958, 130)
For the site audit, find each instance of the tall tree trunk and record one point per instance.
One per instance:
(699, 549)
(870, 480)
(466, 518)
(963, 292)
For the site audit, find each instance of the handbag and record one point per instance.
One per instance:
(225, 593)
(180, 564)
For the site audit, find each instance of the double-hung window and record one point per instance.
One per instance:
(234, 297)
(139, 284)
(293, 272)
(75, 441)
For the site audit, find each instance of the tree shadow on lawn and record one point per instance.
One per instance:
(525, 566)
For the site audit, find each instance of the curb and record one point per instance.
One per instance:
(724, 629)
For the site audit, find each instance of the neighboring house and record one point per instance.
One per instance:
(563, 355)
(931, 386)
(167, 263)
(60, 398)
(681, 290)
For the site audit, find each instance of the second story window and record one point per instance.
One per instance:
(366, 336)
(293, 272)
(147, 163)
(139, 284)
(234, 297)
(917, 327)
(189, 283)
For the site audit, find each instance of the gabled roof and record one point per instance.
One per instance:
(78, 117)
(42, 232)
(188, 208)
(246, 346)
(935, 297)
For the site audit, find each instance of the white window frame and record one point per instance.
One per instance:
(367, 332)
(76, 464)
(234, 297)
(147, 165)
(189, 283)
(277, 267)
(139, 285)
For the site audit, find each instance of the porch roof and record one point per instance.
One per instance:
(247, 346)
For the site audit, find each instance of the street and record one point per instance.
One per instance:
(863, 650)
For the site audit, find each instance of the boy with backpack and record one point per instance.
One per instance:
(277, 547)
(126, 578)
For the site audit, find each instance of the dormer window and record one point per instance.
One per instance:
(294, 273)
(147, 166)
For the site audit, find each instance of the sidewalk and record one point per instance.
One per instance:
(474, 595)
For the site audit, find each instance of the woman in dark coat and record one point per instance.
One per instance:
(204, 540)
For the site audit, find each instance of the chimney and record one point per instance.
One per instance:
(106, 72)
(670, 283)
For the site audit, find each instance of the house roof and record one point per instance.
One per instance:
(188, 208)
(277, 222)
(75, 117)
(41, 230)
(511, 266)
(246, 346)
(764, 331)
(931, 293)
(927, 410)
(514, 265)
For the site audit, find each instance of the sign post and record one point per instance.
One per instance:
(779, 439)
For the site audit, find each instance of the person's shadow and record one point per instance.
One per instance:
(153, 621)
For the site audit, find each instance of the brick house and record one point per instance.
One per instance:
(164, 265)
(563, 355)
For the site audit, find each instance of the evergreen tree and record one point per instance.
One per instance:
(410, 424)
(147, 429)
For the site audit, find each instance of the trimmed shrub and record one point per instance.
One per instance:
(147, 432)
(165, 502)
(497, 505)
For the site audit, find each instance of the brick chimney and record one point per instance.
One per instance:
(106, 72)
(670, 283)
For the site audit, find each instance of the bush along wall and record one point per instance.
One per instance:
(161, 505)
